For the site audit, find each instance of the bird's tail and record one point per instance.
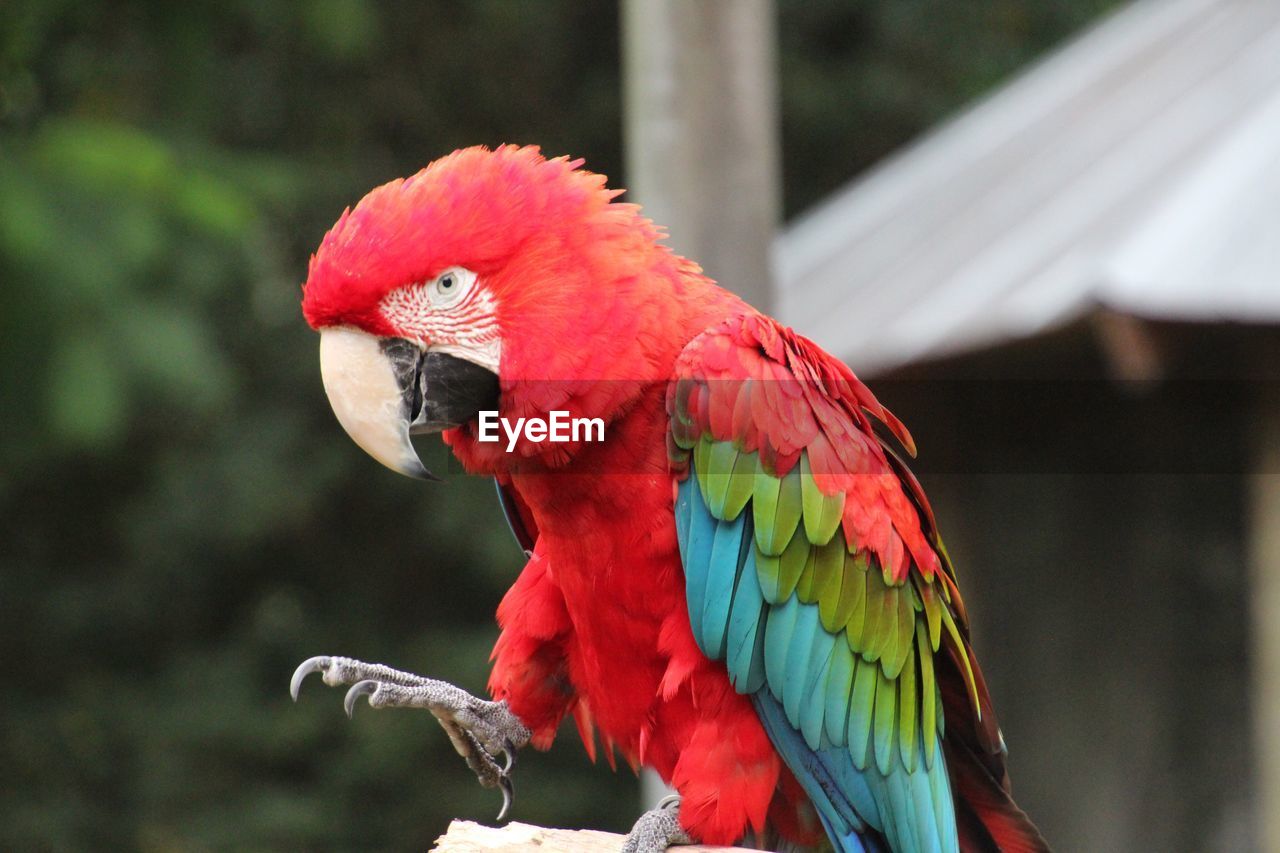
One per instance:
(987, 818)
(853, 841)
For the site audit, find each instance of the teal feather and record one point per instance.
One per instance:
(841, 796)
(745, 642)
(798, 675)
(839, 685)
(886, 722)
(904, 811)
(859, 785)
(778, 631)
(888, 814)
(727, 558)
(926, 821)
(701, 539)
(943, 805)
(815, 694)
(905, 808)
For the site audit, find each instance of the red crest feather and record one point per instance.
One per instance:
(472, 208)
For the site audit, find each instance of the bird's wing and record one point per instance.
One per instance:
(813, 570)
(519, 518)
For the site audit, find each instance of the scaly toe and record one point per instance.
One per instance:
(657, 829)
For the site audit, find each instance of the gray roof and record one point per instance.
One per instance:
(1137, 168)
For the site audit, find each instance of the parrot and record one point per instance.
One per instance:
(738, 582)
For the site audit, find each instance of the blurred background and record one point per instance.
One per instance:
(1062, 274)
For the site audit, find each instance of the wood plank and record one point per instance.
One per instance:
(464, 836)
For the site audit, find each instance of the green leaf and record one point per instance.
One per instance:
(88, 400)
(170, 351)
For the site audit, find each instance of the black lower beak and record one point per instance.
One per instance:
(441, 391)
(451, 392)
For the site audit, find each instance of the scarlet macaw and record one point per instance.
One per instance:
(741, 586)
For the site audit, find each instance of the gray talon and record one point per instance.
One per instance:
(368, 687)
(508, 795)
(509, 756)
(479, 730)
(308, 666)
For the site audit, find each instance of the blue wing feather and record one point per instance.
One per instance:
(744, 655)
(699, 543)
(815, 694)
(800, 678)
(778, 632)
(799, 653)
(727, 556)
(839, 686)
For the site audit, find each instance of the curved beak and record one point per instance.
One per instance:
(384, 389)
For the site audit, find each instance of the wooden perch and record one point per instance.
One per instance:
(464, 836)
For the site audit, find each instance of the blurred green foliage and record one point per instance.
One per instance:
(183, 520)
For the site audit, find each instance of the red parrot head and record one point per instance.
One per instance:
(443, 294)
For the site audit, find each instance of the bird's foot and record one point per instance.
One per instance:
(657, 829)
(481, 731)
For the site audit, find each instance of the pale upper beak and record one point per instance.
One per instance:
(384, 389)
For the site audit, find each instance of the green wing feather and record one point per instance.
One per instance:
(858, 667)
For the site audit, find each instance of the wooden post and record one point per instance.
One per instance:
(701, 133)
(700, 95)
(1264, 548)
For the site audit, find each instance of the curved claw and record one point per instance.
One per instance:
(508, 795)
(308, 666)
(361, 688)
(509, 756)
(668, 802)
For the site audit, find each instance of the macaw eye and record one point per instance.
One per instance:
(450, 285)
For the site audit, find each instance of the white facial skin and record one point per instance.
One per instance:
(453, 313)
